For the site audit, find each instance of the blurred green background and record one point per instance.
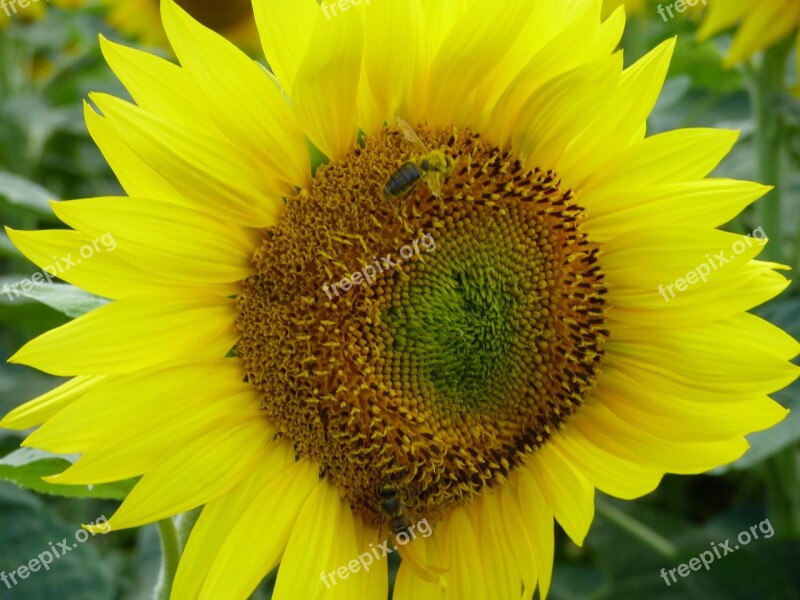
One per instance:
(48, 67)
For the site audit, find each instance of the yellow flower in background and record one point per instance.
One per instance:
(759, 24)
(33, 10)
(141, 19)
(632, 7)
(493, 302)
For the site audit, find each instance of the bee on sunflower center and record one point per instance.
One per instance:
(432, 166)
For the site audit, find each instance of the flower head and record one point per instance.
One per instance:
(141, 20)
(759, 24)
(632, 7)
(473, 316)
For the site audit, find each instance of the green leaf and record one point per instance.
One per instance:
(64, 298)
(30, 531)
(25, 194)
(26, 467)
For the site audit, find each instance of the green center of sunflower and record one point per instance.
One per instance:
(456, 329)
(420, 345)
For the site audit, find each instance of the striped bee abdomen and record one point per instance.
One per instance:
(402, 181)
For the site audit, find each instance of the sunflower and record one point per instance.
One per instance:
(446, 337)
(760, 24)
(632, 7)
(141, 20)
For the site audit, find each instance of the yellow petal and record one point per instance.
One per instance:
(131, 451)
(166, 236)
(717, 356)
(158, 86)
(462, 555)
(650, 257)
(537, 521)
(134, 333)
(569, 495)
(376, 579)
(285, 28)
(209, 173)
(567, 101)
(706, 203)
(606, 471)
(107, 274)
(114, 405)
(37, 411)
(577, 42)
(219, 516)
(721, 15)
(766, 24)
(401, 47)
(197, 472)
(546, 20)
(499, 566)
(326, 524)
(136, 174)
(325, 90)
(694, 416)
(409, 585)
(606, 431)
(619, 117)
(523, 551)
(263, 124)
(666, 158)
(266, 523)
(471, 49)
(731, 293)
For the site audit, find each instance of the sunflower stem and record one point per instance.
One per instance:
(765, 83)
(170, 555)
(637, 529)
(184, 525)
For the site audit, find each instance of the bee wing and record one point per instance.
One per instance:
(411, 135)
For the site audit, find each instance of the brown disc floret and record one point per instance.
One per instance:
(468, 348)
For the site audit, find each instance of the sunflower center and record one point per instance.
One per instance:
(216, 15)
(418, 330)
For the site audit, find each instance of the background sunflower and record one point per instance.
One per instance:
(141, 20)
(44, 142)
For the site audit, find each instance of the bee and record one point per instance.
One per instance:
(392, 508)
(432, 166)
